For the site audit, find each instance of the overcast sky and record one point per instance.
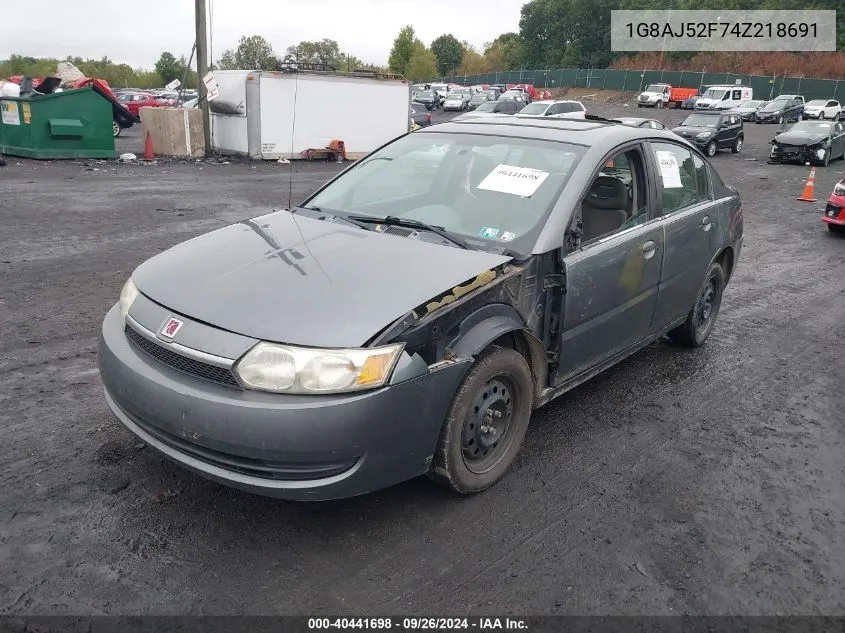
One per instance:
(137, 32)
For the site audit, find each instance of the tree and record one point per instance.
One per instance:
(423, 64)
(325, 51)
(403, 49)
(168, 68)
(473, 63)
(252, 53)
(505, 52)
(449, 53)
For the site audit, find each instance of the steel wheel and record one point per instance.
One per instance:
(115, 128)
(708, 305)
(486, 422)
(695, 330)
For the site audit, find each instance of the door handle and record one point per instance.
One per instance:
(706, 223)
(649, 248)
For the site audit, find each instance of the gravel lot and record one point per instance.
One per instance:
(706, 482)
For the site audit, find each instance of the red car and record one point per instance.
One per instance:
(834, 213)
(134, 101)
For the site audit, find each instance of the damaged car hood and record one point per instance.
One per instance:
(800, 138)
(303, 281)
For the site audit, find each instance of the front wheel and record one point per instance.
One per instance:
(486, 423)
(824, 162)
(699, 323)
(710, 149)
(659, 104)
(839, 229)
(737, 146)
(780, 120)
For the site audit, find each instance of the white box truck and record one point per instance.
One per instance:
(287, 113)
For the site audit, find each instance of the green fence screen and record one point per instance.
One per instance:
(637, 80)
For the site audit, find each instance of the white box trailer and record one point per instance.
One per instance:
(285, 114)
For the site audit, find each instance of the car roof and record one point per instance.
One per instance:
(585, 132)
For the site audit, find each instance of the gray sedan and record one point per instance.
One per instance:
(410, 315)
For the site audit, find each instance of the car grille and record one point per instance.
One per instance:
(280, 471)
(832, 211)
(198, 369)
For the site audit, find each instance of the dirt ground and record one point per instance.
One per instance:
(703, 482)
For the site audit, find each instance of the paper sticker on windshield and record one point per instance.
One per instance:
(517, 181)
(508, 237)
(488, 233)
(669, 169)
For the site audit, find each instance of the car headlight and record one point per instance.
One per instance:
(288, 369)
(703, 135)
(128, 294)
(839, 189)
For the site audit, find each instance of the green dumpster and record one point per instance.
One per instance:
(69, 124)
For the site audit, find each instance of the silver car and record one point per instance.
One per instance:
(410, 315)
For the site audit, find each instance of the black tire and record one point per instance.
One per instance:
(737, 146)
(699, 323)
(659, 104)
(116, 129)
(710, 149)
(824, 162)
(839, 229)
(468, 459)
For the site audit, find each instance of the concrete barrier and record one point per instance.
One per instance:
(174, 131)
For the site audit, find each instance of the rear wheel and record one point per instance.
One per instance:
(737, 146)
(486, 423)
(696, 329)
(116, 129)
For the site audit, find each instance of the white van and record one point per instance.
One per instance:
(723, 97)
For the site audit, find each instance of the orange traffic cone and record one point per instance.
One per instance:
(807, 195)
(148, 147)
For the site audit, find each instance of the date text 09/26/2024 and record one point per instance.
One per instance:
(419, 624)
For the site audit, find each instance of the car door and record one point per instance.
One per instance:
(797, 107)
(688, 219)
(612, 278)
(831, 111)
(837, 143)
(725, 134)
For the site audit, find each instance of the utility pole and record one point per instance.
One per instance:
(202, 69)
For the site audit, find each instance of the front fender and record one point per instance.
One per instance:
(482, 327)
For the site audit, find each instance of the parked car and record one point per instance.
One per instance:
(822, 109)
(816, 142)
(134, 101)
(797, 97)
(748, 109)
(420, 116)
(457, 100)
(478, 98)
(268, 356)
(494, 108)
(780, 110)
(689, 103)
(639, 122)
(427, 98)
(519, 95)
(559, 109)
(713, 130)
(834, 212)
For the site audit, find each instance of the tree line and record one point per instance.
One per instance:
(576, 34)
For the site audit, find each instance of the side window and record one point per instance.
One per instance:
(553, 109)
(683, 178)
(616, 199)
(737, 95)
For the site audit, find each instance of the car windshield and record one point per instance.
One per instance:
(713, 94)
(655, 88)
(427, 94)
(486, 107)
(817, 102)
(535, 108)
(492, 188)
(479, 97)
(812, 127)
(777, 104)
(701, 120)
(749, 104)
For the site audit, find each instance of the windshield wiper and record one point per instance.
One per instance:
(334, 216)
(412, 224)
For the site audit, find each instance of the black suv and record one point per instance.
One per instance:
(713, 130)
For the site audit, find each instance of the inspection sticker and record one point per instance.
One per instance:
(9, 113)
(488, 233)
(517, 181)
(669, 169)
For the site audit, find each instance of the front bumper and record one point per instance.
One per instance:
(795, 154)
(286, 446)
(834, 212)
(767, 118)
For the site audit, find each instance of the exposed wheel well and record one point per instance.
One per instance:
(726, 259)
(533, 352)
